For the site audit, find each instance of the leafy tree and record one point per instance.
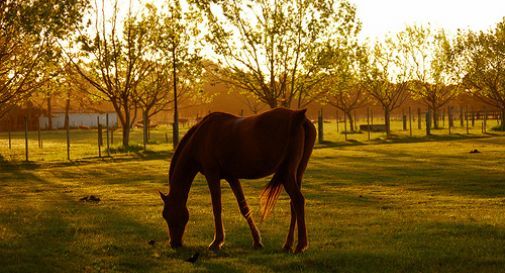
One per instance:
(175, 28)
(435, 82)
(276, 50)
(344, 89)
(386, 75)
(27, 32)
(479, 58)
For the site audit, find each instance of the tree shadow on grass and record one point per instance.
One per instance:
(6, 165)
(53, 231)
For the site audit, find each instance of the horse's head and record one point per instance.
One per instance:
(176, 215)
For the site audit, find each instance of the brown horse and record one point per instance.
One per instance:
(224, 146)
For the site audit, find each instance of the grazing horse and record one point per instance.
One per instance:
(224, 146)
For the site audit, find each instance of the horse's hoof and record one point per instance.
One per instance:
(286, 249)
(301, 248)
(215, 247)
(257, 245)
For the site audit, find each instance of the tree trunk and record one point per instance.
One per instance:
(145, 128)
(387, 121)
(175, 132)
(351, 120)
(126, 129)
(503, 119)
(435, 118)
(67, 110)
(49, 114)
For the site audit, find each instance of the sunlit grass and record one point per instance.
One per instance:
(413, 205)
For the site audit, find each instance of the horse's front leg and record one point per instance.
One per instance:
(215, 193)
(245, 210)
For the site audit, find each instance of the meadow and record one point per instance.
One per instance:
(406, 204)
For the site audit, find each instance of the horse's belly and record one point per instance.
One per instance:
(246, 168)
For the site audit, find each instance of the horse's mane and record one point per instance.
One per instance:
(182, 144)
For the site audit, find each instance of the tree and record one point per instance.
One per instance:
(27, 30)
(175, 28)
(344, 89)
(153, 98)
(435, 82)
(275, 50)
(113, 61)
(480, 60)
(386, 75)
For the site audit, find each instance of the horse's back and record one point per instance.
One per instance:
(246, 147)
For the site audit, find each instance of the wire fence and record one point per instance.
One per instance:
(105, 141)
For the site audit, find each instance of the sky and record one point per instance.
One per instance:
(380, 17)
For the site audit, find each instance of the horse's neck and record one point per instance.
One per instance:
(181, 179)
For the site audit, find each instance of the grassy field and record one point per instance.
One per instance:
(402, 205)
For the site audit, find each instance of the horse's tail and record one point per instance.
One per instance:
(269, 196)
(271, 193)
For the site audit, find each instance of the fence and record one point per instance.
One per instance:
(105, 141)
(102, 141)
(410, 122)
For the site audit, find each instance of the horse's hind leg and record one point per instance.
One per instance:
(298, 202)
(215, 193)
(246, 212)
(291, 233)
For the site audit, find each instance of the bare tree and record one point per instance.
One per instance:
(112, 61)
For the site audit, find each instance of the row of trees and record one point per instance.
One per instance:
(146, 58)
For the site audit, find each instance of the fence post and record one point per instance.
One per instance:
(99, 136)
(419, 122)
(485, 121)
(345, 127)
(410, 120)
(466, 119)
(368, 122)
(144, 129)
(336, 114)
(26, 139)
(67, 127)
(38, 135)
(449, 113)
(10, 137)
(404, 121)
(107, 132)
(428, 123)
(320, 126)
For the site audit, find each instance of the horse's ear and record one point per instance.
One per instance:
(163, 196)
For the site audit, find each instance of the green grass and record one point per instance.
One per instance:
(403, 205)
